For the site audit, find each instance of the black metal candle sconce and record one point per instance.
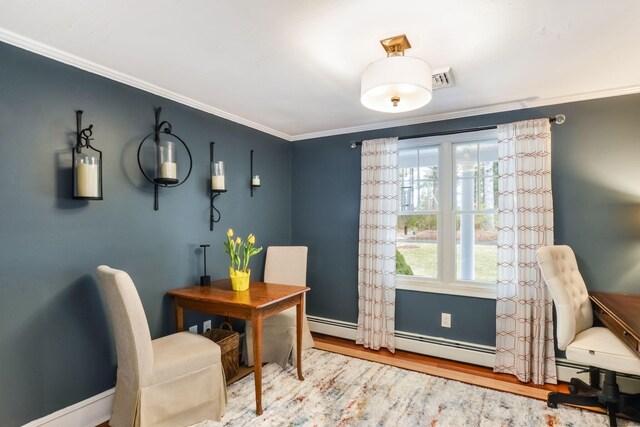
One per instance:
(217, 186)
(86, 164)
(255, 179)
(205, 280)
(166, 164)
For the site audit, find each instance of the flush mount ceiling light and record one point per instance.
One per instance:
(397, 83)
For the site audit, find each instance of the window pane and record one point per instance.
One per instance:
(476, 186)
(428, 190)
(417, 245)
(476, 247)
(418, 176)
(428, 160)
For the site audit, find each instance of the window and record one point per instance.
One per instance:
(446, 237)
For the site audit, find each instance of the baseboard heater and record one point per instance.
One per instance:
(446, 343)
(476, 354)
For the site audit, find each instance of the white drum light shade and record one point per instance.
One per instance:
(405, 79)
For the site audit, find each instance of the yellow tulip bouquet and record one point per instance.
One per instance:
(240, 253)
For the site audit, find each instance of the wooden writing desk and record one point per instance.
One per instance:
(621, 314)
(259, 302)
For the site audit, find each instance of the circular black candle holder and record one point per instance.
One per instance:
(164, 128)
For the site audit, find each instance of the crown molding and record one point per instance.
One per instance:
(91, 67)
(75, 61)
(476, 111)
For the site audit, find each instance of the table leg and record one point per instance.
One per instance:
(299, 327)
(256, 320)
(179, 317)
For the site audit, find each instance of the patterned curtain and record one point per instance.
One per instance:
(377, 244)
(524, 325)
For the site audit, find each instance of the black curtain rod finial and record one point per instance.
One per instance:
(559, 119)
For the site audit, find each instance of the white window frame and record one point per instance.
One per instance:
(446, 222)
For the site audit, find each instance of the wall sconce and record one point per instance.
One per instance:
(87, 164)
(255, 179)
(166, 165)
(216, 170)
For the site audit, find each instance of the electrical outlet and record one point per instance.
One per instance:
(193, 329)
(206, 325)
(446, 320)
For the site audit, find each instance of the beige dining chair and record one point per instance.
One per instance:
(176, 380)
(285, 265)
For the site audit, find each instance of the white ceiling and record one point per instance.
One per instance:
(292, 67)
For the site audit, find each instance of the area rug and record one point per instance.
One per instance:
(345, 391)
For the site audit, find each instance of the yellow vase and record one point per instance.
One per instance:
(239, 279)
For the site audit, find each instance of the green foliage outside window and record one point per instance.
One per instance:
(401, 265)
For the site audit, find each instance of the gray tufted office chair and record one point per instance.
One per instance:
(596, 347)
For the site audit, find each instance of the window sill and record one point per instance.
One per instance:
(472, 290)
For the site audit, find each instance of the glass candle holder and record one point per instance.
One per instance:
(217, 177)
(87, 176)
(167, 171)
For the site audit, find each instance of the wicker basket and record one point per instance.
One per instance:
(229, 342)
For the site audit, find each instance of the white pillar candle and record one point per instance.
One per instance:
(87, 180)
(255, 181)
(217, 182)
(168, 170)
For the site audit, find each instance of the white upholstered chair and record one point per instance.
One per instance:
(285, 265)
(596, 347)
(176, 380)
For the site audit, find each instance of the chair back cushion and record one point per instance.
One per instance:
(130, 327)
(568, 290)
(286, 265)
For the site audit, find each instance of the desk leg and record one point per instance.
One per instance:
(179, 317)
(256, 320)
(299, 327)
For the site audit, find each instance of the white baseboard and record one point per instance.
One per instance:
(88, 413)
(460, 351)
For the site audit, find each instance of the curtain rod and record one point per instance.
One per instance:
(559, 119)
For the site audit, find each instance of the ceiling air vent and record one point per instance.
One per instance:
(442, 77)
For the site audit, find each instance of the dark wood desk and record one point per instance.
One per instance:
(621, 314)
(259, 302)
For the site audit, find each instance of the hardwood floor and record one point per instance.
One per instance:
(463, 372)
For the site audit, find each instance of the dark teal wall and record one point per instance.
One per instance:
(596, 176)
(55, 339)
